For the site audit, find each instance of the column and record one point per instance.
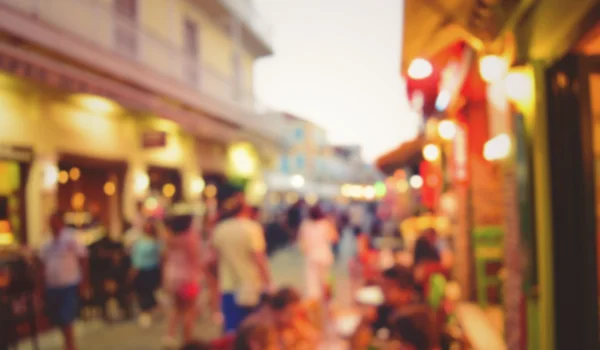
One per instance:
(42, 196)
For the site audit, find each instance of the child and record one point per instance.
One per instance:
(145, 258)
(63, 273)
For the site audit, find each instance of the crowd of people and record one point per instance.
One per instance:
(178, 256)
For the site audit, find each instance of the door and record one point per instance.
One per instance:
(572, 93)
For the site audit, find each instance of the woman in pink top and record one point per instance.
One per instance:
(182, 274)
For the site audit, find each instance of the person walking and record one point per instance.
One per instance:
(244, 276)
(146, 274)
(183, 271)
(316, 238)
(64, 264)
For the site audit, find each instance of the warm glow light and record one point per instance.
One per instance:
(63, 177)
(210, 191)
(431, 152)
(416, 181)
(93, 103)
(369, 192)
(50, 177)
(110, 188)
(78, 201)
(497, 148)
(402, 186)
(169, 190)
(242, 160)
(419, 69)
(74, 173)
(356, 191)
(197, 185)
(447, 130)
(442, 101)
(142, 181)
(492, 68)
(298, 181)
(346, 190)
(519, 88)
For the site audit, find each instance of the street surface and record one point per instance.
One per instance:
(287, 269)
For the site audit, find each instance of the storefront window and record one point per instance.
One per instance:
(10, 203)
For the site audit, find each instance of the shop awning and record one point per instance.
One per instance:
(407, 154)
(432, 25)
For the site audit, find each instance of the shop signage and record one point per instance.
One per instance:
(51, 77)
(20, 154)
(154, 139)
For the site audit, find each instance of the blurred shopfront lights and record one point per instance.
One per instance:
(74, 173)
(50, 177)
(210, 191)
(497, 148)
(519, 88)
(63, 177)
(169, 190)
(197, 185)
(420, 68)
(416, 181)
(369, 192)
(492, 68)
(442, 101)
(142, 181)
(431, 152)
(93, 103)
(298, 181)
(447, 130)
(109, 188)
(381, 188)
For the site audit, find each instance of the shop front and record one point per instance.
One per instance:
(15, 163)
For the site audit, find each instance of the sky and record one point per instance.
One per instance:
(337, 63)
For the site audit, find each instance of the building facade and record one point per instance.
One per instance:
(106, 101)
(526, 107)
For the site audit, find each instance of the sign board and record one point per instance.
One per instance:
(154, 139)
(19, 154)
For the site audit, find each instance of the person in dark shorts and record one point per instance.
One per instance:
(62, 257)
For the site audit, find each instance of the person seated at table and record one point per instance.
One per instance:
(415, 329)
(398, 288)
(283, 312)
(256, 337)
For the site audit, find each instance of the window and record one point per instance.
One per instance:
(191, 50)
(300, 162)
(285, 164)
(299, 134)
(125, 30)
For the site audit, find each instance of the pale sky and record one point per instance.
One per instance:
(336, 63)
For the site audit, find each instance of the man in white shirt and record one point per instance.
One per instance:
(62, 256)
(243, 269)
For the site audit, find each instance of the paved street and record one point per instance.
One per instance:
(287, 269)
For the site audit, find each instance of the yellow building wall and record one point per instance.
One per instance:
(51, 124)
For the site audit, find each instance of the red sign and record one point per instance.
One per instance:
(432, 184)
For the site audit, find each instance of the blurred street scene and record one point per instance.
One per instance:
(251, 175)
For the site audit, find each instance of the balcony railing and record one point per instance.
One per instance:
(96, 22)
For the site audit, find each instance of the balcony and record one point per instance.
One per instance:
(255, 32)
(123, 48)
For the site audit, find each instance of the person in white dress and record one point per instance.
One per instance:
(316, 238)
